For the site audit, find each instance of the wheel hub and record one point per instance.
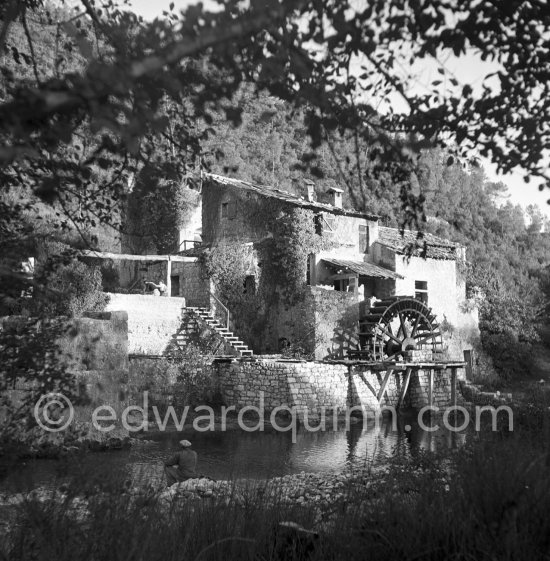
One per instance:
(408, 344)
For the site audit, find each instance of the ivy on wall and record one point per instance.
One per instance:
(287, 239)
(284, 256)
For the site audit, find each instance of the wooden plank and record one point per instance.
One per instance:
(168, 279)
(405, 387)
(343, 276)
(469, 359)
(382, 390)
(132, 257)
(368, 384)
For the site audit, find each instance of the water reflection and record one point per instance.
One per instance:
(237, 454)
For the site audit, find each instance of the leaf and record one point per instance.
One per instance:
(84, 46)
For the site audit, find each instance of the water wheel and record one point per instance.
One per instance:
(396, 325)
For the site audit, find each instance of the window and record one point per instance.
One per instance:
(421, 291)
(363, 238)
(175, 285)
(229, 210)
(318, 222)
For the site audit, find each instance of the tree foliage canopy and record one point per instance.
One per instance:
(139, 83)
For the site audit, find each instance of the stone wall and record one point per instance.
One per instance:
(193, 286)
(335, 317)
(98, 342)
(316, 385)
(153, 321)
(95, 350)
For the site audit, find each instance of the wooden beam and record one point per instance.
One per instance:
(343, 276)
(382, 390)
(368, 384)
(168, 275)
(430, 387)
(469, 359)
(453, 394)
(132, 257)
(405, 387)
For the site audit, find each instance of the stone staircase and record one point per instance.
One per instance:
(206, 316)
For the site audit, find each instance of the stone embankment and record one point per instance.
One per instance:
(303, 489)
(80, 437)
(474, 395)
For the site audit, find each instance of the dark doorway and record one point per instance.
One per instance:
(175, 282)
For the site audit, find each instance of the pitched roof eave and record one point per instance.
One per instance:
(363, 268)
(287, 197)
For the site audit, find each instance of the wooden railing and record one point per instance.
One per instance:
(189, 244)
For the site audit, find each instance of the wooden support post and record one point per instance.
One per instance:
(430, 387)
(405, 387)
(453, 387)
(469, 359)
(453, 394)
(382, 390)
(168, 277)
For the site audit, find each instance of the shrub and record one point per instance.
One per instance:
(511, 357)
(72, 288)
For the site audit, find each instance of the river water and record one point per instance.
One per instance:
(254, 455)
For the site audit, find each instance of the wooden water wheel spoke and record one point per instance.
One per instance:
(415, 326)
(390, 335)
(427, 338)
(403, 327)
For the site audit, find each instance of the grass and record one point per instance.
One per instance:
(489, 500)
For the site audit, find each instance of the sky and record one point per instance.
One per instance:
(467, 69)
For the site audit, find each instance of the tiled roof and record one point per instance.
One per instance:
(428, 245)
(362, 268)
(291, 198)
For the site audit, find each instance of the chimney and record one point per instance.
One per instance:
(310, 190)
(336, 196)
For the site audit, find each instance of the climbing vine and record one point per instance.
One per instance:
(284, 256)
(281, 254)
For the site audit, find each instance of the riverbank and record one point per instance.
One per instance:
(492, 495)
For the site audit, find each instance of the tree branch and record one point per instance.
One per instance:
(31, 47)
(49, 102)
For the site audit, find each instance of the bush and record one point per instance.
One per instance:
(512, 358)
(72, 288)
